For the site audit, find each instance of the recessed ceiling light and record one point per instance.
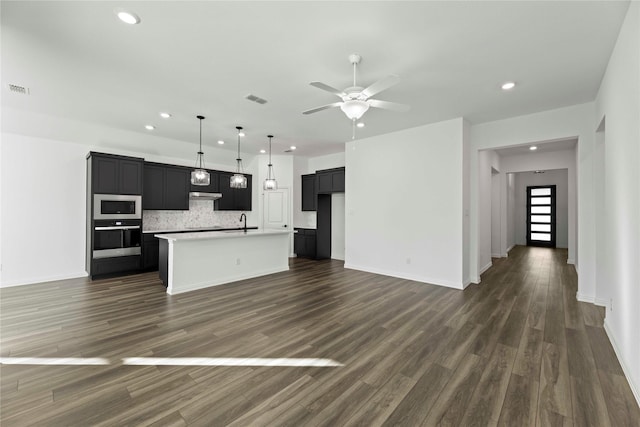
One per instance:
(508, 85)
(149, 127)
(241, 134)
(128, 17)
(360, 125)
(221, 142)
(165, 115)
(293, 147)
(263, 151)
(533, 148)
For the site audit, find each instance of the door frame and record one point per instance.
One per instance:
(552, 242)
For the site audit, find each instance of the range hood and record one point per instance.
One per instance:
(197, 195)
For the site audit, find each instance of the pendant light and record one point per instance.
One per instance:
(238, 180)
(270, 183)
(200, 176)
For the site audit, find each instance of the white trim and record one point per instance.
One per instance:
(585, 298)
(400, 275)
(42, 279)
(601, 302)
(227, 279)
(627, 372)
(486, 267)
(571, 261)
(509, 249)
(496, 255)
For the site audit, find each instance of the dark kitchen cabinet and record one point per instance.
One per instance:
(330, 180)
(122, 264)
(112, 174)
(166, 187)
(150, 248)
(309, 192)
(304, 243)
(211, 188)
(233, 199)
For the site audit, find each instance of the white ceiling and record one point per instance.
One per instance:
(543, 147)
(190, 58)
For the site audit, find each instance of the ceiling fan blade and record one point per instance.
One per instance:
(388, 105)
(381, 85)
(328, 88)
(324, 107)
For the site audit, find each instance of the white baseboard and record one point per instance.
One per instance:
(42, 279)
(486, 267)
(601, 302)
(402, 275)
(509, 249)
(585, 298)
(571, 261)
(627, 373)
(496, 255)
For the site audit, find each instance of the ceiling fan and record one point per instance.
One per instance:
(356, 100)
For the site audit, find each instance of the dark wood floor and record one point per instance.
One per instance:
(517, 350)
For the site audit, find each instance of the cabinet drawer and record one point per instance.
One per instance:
(115, 265)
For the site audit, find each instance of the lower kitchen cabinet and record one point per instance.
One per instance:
(119, 264)
(150, 248)
(304, 243)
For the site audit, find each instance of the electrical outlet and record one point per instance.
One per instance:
(237, 261)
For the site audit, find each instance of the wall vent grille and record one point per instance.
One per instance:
(19, 89)
(257, 99)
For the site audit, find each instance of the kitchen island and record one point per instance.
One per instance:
(190, 261)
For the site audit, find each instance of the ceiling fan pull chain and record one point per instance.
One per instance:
(353, 129)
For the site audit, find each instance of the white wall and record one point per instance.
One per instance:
(510, 212)
(410, 228)
(484, 209)
(496, 214)
(619, 101)
(557, 177)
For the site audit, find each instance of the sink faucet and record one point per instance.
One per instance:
(243, 216)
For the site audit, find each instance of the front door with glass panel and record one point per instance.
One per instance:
(541, 215)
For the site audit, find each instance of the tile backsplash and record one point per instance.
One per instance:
(200, 214)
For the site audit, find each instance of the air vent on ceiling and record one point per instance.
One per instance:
(19, 89)
(257, 99)
(288, 151)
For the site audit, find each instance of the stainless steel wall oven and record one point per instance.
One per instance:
(115, 238)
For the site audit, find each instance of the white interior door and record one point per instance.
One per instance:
(276, 209)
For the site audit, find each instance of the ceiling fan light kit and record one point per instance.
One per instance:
(357, 100)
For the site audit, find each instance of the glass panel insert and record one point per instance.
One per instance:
(541, 218)
(540, 191)
(541, 236)
(541, 200)
(541, 227)
(540, 209)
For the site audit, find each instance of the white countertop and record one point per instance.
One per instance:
(221, 234)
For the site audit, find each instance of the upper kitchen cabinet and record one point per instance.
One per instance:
(166, 187)
(233, 199)
(309, 192)
(330, 181)
(111, 174)
(211, 188)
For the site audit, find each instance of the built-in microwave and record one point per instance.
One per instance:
(117, 206)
